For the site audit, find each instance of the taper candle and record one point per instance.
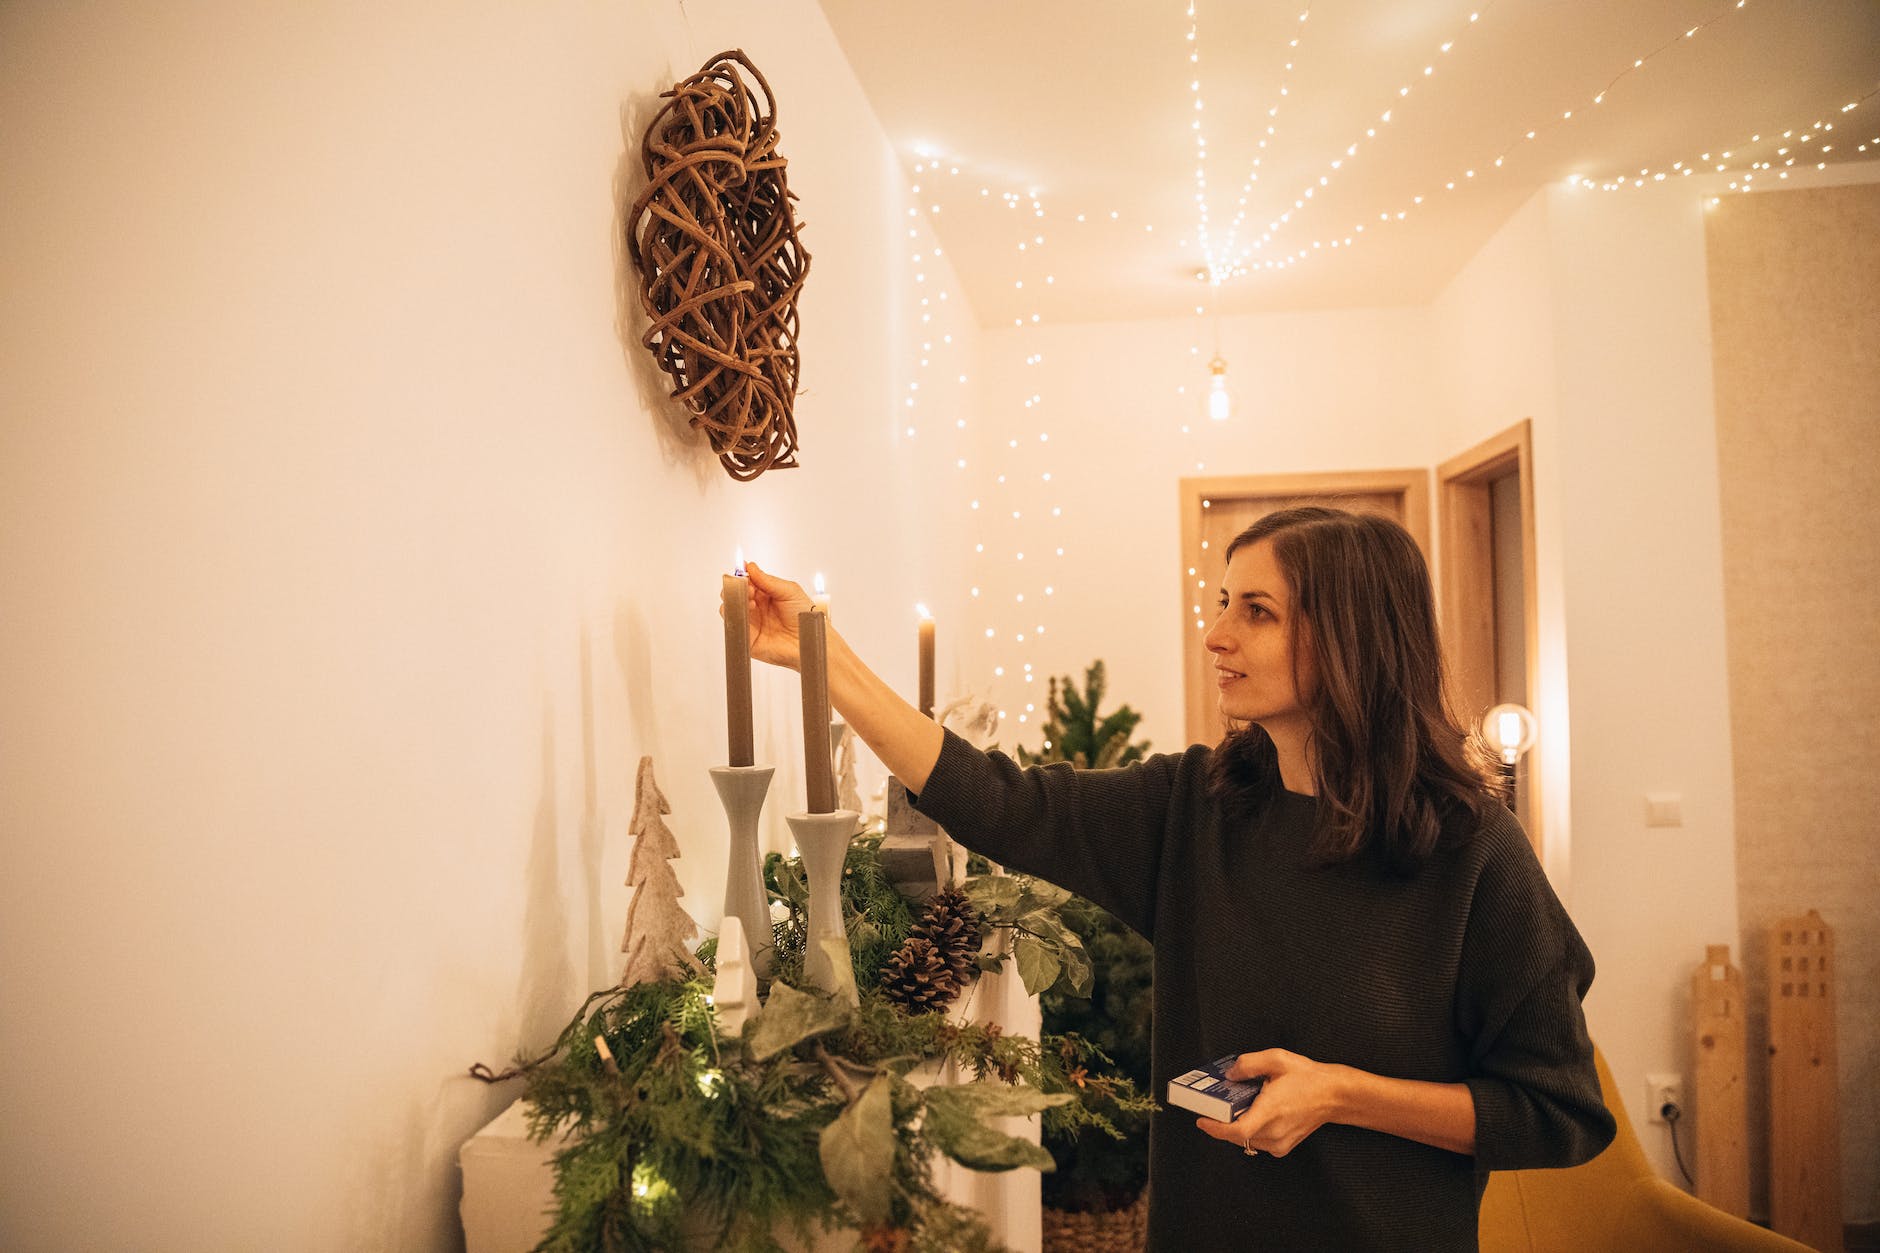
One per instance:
(812, 641)
(926, 661)
(736, 594)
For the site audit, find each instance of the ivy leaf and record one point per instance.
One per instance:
(1079, 976)
(1041, 895)
(1050, 928)
(1038, 963)
(959, 1122)
(839, 961)
(789, 880)
(790, 1017)
(992, 892)
(856, 1149)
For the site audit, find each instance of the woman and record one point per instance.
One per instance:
(1333, 894)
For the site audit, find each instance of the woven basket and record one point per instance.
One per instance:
(1118, 1231)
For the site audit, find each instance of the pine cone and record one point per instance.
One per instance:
(916, 977)
(951, 925)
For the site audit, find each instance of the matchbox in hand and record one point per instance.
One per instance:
(1210, 1093)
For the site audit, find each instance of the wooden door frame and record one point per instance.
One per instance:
(1411, 486)
(1467, 600)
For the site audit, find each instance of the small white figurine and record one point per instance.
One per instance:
(734, 990)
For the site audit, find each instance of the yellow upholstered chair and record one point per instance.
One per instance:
(1614, 1202)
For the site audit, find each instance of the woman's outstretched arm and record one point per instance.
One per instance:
(907, 742)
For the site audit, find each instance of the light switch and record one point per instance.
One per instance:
(1664, 809)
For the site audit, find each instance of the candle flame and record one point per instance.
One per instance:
(820, 589)
(922, 611)
(738, 569)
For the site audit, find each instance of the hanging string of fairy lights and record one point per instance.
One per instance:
(933, 343)
(1009, 523)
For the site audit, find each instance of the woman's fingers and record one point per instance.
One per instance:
(1265, 1064)
(1221, 1130)
(774, 587)
(775, 603)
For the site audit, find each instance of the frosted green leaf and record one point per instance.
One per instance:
(857, 1149)
(992, 892)
(790, 1017)
(959, 1123)
(844, 966)
(1041, 895)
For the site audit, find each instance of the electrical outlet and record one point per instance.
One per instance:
(1660, 1091)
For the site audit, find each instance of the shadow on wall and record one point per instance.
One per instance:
(635, 660)
(679, 442)
(593, 826)
(403, 1194)
(547, 981)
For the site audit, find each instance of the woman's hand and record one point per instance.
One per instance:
(775, 603)
(907, 741)
(1300, 1096)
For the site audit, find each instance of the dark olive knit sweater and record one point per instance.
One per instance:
(1468, 972)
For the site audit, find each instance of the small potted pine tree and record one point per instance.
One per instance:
(1096, 1200)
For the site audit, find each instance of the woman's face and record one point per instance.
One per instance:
(1251, 644)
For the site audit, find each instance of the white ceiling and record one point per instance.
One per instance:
(1089, 104)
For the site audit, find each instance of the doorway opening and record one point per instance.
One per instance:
(1488, 592)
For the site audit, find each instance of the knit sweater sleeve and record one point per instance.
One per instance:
(1099, 833)
(1525, 971)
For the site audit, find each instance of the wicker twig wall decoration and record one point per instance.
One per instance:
(715, 242)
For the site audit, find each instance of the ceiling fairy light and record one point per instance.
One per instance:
(1215, 267)
(1792, 148)
(1222, 266)
(1232, 262)
(1271, 131)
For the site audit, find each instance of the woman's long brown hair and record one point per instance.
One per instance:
(1394, 772)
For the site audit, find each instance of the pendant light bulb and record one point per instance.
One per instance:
(1220, 404)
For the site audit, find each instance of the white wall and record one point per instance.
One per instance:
(1587, 312)
(353, 557)
(1642, 574)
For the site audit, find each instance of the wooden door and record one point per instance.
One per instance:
(1214, 510)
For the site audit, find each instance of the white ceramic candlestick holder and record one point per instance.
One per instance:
(742, 790)
(823, 839)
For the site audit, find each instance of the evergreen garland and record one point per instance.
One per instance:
(678, 1136)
